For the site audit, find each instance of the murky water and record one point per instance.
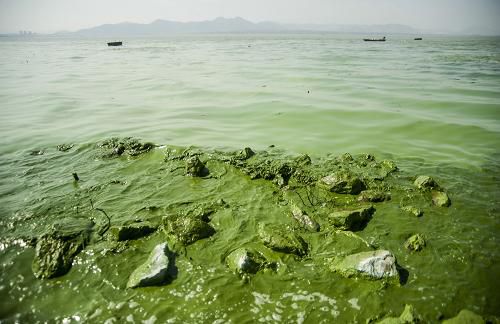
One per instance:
(432, 106)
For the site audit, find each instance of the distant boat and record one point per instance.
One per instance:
(417, 38)
(374, 39)
(115, 43)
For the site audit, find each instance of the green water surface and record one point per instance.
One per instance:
(432, 106)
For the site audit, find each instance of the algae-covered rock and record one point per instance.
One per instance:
(341, 243)
(388, 165)
(281, 239)
(415, 243)
(412, 210)
(64, 147)
(465, 317)
(373, 196)
(55, 250)
(245, 261)
(267, 168)
(187, 230)
(54, 255)
(245, 154)
(302, 160)
(118, 146)
(156, 271)
(131, 231)
(408, 316)
(303, 219)
(374, 265)
(343, 182)
(425, 183)
(194, 167)
(352, 219)
(440, 199)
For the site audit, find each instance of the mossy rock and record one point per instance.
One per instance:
(351, 219)
(55, 250)
(343, 182)
(115, 147)
(281, 239)
(425, 183)
(187, 230)
(415, 243)
(54, 255)
(465, 317)
(194, 167)
(373, 265)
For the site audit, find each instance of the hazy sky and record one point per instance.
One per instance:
(434, 15)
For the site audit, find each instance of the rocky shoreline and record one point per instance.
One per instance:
(334, 198)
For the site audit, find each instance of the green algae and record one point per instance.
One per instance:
(230, 208)
(408, 316)
(465, 317)
(281, 239)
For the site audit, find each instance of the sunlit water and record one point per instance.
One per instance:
(433, 106)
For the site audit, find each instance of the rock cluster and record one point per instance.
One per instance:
(321, 201)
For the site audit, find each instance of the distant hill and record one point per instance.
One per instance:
(163, 27)
(230, 25)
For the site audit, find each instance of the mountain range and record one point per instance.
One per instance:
(231, 25)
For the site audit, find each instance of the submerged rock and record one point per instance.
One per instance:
(408, 316)
(374, 265)
(54, 255)
(425, 183)
(156, 271)
(412, 210)
(415, 243)
(194, 167)
(281, 239)
(343, 182)
(352, 219)
(373, 196)
(245, 261)
(187, 230)
(465, 317)
(440, 199)
(132, 231)
(303, 219)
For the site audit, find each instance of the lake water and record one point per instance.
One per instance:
(432, 106)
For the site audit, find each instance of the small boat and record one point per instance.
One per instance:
(374, 39)
(115, 43)
(417, 38)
